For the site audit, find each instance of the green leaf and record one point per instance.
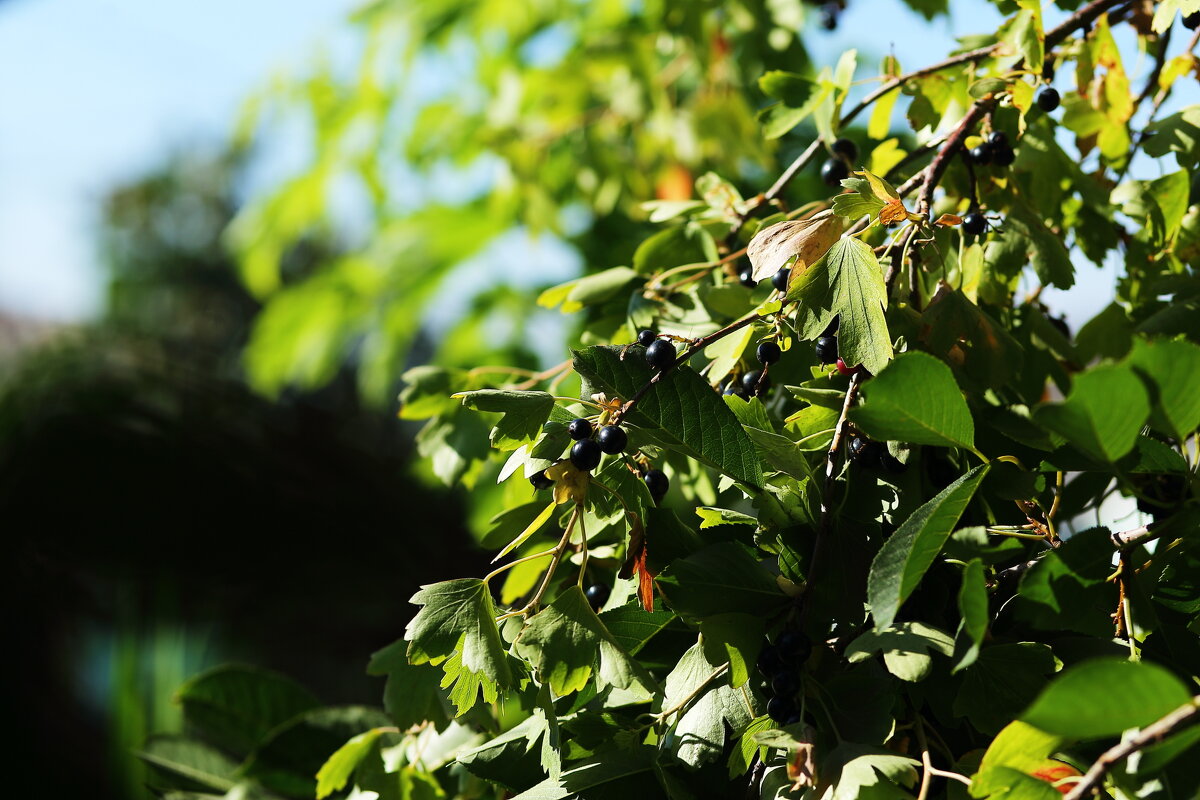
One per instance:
(848, 282)
(588, 290)
(1006, 783)
(1103, 413)
(524, 414)
(906, 648)
(1104, 697)
(861, 201)
(566, 641)
(792, 89)
(902, 561)
(713, 517)
(1178, 133)
(1020, 746)
(973, 606)
(732, 638)
(512, 758)
(915, 400)
(723, 578)
(781, 453)
(631, 627)
(1004, 678)
(672, 247)
(236, 706)
(456, 624)
(698, 734)
(682, 405)
(869, 772)
(412, 694)
(594, 773)
(336, 772)
(189, 764)
(1172, 368)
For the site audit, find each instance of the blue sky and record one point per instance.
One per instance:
(98, 91)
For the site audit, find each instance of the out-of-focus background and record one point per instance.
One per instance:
(226, 229)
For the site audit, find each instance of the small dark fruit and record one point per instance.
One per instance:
(982, 154)
(612, 439)
(579, 428)
(794, 647)
(785, 683)
(1192, 21)
(834, 171)
(1003, 156)
(829, 16)
(768, 353)
(754, 387)
(646, 338)
(845, 369)
(844, 148)
(585, 454)
(974, 223)
(746, 278)
(540, 480)
(770, 663)
(832, 328)
(1048, 99)
(660, 354)
(781, 709)
(597, 595)
(827, 349)
(998, 139)
(780, 280)
(734, 387)
(864, 452)
(657, 482)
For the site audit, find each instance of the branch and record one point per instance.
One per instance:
(1156, 732)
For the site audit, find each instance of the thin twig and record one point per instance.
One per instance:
(1156, 732)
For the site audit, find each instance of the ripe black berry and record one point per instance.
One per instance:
(1048, 99)
(754, 387)
(1192, 21)
(781, 709)
(827, 349)
(864, 452)
(585, 454)
(597, 595)
(660, 355)
(579, 428)
(734, 387)
(834, 171)
(794, 647)
(981, 154)
(998, 139)
(974, 223)
(746, 278)
(540, 481)
(769, 662)
(1003, 156)
(845, 148)
(768, 353)
(785, 683)
(780, 280)
(612, 439)
(646, 338)
(657, 482)
(829, 16)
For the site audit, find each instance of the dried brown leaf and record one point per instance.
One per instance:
(804, 239)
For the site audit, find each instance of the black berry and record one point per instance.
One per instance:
(1003, 156)
(829, 16)
(780, 279)
(597, 595)
(733, 387)
(794, 647)
(768, 353)
(827, 349)
(585, 455)
(770, 663)
(579, 428)
(781, 709)
(646, 338)
(612, 439)
(660, 355)
(974, 223)
(834, 171)
(998, 139)
(540, 480)
(864, 452)
(657, 482)
(1192, 21)
(981, 154)
(844, 148)
(785, 683)
(746, 278)
(753, 386)
(1048, 99)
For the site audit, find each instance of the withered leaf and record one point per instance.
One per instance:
(805, 239)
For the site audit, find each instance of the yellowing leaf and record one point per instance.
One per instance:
(948, 220)
(806, 240)
(892, 211)
(570, 483)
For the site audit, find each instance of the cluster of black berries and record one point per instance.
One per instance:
(994, 150)
(780, 665)
(836, 168)
(779, 280)
(660, 354)
(873, 455)
(586, 452)
(755, 383)
(597, 595)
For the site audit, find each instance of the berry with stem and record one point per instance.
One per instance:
(827, 349)
(597, 595)
(974, 223)
(579, 428)
(657, 482)
(834, 171)
(781, 709)
(586, 454)
(780, 280)
(646, 338)
(768, 353)
(794, 647)
(660, 355)
(755, 384)
(981, 154)
(612, 439)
